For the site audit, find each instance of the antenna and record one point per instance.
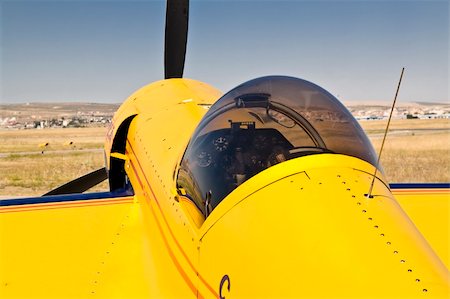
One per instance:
(369, 195)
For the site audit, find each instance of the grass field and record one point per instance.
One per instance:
(14, 141)
(28, 171)
(415, 151)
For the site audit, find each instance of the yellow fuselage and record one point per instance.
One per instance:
(301, 228)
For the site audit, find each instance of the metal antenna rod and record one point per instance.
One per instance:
(369, 195)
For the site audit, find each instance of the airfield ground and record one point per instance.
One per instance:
(415, 151)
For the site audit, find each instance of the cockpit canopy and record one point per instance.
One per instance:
(261, 123)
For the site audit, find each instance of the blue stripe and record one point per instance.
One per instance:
(65, 198)
(420, 186)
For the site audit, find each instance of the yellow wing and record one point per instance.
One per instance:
(75, 248)
(428, 205)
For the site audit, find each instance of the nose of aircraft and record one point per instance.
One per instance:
(297, 231)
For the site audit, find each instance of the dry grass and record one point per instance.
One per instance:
(37, 174)
(34, 173)
(14, 141)
(416, 151)
(416, 158)
(378, 126)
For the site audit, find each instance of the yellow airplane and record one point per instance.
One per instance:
(258, 193)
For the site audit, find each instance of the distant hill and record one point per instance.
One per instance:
(49, 110)
(389, 104)
(26, 114)
(33, 115)
(433, 104)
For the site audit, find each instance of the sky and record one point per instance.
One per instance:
(104, 50)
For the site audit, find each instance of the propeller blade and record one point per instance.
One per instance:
(177, 14)
(81, 184)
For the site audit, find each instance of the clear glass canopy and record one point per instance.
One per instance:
(261, 123)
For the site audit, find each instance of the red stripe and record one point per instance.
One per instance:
(172, 256)
(74, 202)
(169, 250)
(135, 171)
(70, 203)
(422, 191)
(166, 222)
(40, 207)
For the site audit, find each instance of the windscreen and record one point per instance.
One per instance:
(261, 123)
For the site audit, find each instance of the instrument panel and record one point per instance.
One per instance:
(221, 160)
(246, 151)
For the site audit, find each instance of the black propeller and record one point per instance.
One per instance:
(177, 14)
(81, 184)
